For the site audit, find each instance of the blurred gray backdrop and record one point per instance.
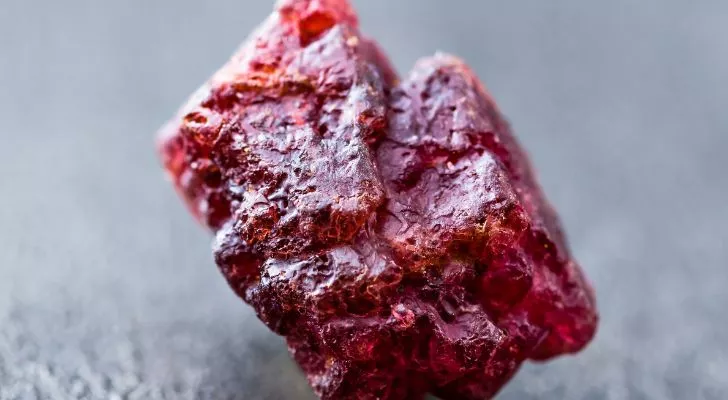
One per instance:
(107, 287)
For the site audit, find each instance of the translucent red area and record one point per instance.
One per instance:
(391, 230)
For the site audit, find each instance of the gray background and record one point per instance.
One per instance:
(107, 288)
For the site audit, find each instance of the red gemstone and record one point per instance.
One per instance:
(392, 231)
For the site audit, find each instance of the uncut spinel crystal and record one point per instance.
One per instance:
(391, 230)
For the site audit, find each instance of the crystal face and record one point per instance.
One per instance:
(392, 230)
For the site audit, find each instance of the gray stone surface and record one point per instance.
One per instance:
(107, 288)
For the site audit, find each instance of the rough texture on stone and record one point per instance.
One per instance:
(392, 231)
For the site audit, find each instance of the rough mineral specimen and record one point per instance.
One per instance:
(392, 231)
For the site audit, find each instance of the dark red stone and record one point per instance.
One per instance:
(393, 232)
